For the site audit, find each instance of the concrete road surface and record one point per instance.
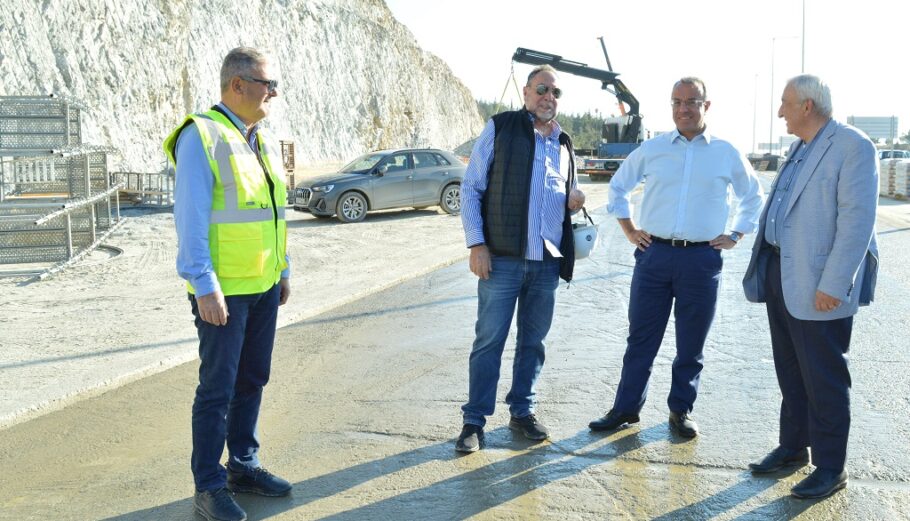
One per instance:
(363, 408)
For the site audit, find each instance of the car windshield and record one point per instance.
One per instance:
(364, 162)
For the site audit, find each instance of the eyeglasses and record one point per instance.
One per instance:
(689, 103)
(542, 89)
(271, 84)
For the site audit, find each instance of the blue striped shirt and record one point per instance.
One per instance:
(687, 187)
(547, 204)
(194, 187)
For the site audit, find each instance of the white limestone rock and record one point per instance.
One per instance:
(352, 78)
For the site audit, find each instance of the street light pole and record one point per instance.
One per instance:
(802, 64)
(771, 124)
(754, 110)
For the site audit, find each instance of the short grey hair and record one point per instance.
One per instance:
(695, 81)
(811, 87)
(240, 61)
(540, 68)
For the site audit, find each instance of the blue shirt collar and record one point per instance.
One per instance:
(556, 128)
(674, 135)
(236, 120)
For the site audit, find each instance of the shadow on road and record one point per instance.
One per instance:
(466, 494)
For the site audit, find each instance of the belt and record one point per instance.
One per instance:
(679, 243)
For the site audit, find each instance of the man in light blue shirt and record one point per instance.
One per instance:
(688, 176)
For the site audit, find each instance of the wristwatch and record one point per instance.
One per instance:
(735, 236)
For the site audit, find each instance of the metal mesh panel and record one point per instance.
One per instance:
(39, 123)
(56, 175)
(21, 240)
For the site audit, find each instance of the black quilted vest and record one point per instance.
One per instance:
(506, 199)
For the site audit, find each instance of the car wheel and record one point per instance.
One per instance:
(351, 208)
(450, 201)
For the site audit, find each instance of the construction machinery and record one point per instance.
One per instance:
(620, 134)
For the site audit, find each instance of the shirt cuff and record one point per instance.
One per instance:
(743, 226)
(473, 237)
(205, 284)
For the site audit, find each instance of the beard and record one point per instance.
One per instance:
(545, 114)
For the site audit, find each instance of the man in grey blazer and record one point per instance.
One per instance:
(814, 263)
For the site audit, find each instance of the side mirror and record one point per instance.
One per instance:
(381, 170)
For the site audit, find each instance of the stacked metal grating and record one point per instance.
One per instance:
(55, 191)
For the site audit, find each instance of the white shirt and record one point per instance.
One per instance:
(687, 187)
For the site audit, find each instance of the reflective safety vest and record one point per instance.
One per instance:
(247, 229)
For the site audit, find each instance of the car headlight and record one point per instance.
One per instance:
(324, 188)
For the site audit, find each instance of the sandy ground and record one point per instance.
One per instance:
(111, 319)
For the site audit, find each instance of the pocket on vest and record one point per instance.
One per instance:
(241, 253)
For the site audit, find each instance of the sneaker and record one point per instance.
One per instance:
(529, 427)
(470, 439)
(256, 481)
(218, 505)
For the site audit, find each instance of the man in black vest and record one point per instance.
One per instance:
(517, 223)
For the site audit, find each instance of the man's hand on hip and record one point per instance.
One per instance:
(825, 302)
(722, 242)
(480, 261)
(212, 308)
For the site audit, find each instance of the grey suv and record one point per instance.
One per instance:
(399, 178)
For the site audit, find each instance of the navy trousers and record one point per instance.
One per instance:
(685, 280)
(810, 357)
(235, 363)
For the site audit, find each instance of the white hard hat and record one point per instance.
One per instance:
(585, 239)
(585, 236)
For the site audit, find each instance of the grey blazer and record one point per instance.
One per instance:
(828, 239)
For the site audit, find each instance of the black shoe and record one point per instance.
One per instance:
(779, 458)
(821, 483)
(470, 439)
(256, 481)
(218, 505)
(529, 427)
(683, 424)
(612, 420)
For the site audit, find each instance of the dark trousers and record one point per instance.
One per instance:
(810, 357)
(235, 361)
(685, 280)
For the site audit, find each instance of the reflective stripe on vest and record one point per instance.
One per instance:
(247, 235)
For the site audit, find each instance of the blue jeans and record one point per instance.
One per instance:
(235, 361)
(664, 274)
(532, 284)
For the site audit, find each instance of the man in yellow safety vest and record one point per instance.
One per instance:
(232, 252)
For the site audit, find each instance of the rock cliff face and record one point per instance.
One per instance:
(352, 79)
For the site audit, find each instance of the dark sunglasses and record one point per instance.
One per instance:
(543, 89)
(271, 84)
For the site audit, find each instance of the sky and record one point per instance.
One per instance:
(861, 49)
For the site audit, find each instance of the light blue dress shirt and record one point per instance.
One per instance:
(687, 187)
(780, 197)
(193, 188)
(547, 204)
